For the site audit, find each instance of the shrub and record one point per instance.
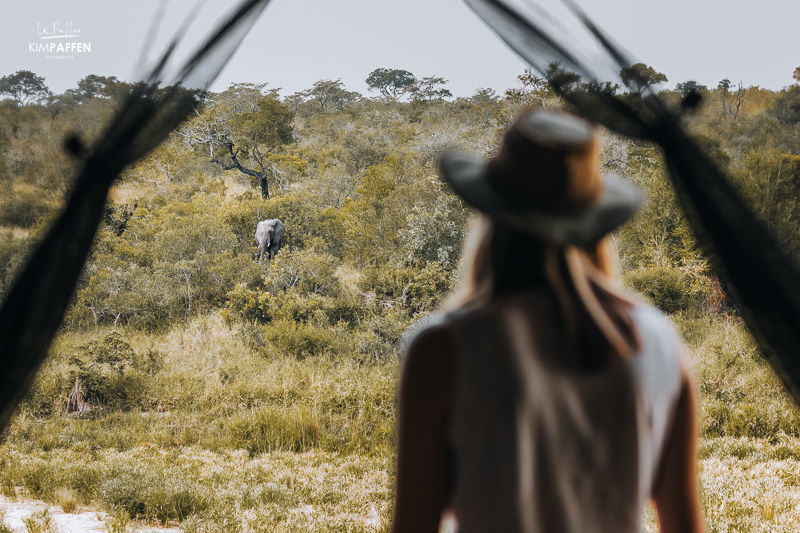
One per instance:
(25, 209)
(299, 339)
(254, 306)
(67, 500)
(162, 496)
(419, 290)
(41, 522)
(297, 307)
(44, 475)
(153, 296)
(249, 305)
(103, 373)
(270, 429)
(347, 308)
(300, 212)
(306, 271)
(117, 520)
(379, 337)
(435, 231)
(667, 288)
(13, 256)
(173, 262)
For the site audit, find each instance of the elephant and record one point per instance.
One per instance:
(268, 236)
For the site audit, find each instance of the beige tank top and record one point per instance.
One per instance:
(539, 450)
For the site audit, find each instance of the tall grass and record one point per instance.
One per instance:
(4, 527)
(740, 396)
(279, 491)
(215, 433)
(218, 436)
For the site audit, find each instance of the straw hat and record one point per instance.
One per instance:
(545, 181)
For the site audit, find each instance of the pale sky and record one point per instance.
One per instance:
(298, 42)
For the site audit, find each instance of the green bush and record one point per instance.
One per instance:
(173, 262)
(242, 216)
(379, 337)
(419, 290)
(667, 288)
(13, 256)
(25, 209)
(255, 306)
(435, 231)
(106, 374)
(305, 271)
(43, 477)
(305, 308)
(249, 305)
(39, 479)
(270, 429)
(301, 213)
(152, 297)
(300, 339)
(162, 496)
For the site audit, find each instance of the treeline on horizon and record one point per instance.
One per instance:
(373, 237)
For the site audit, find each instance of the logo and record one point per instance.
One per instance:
(59, 40)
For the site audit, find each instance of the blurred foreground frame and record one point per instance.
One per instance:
(752, 267)
(31, 315)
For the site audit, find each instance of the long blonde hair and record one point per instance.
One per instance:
(594, 312)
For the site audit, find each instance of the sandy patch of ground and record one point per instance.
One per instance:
(85, 520)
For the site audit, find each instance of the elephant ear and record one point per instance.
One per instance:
(32, 312)
(280, 229)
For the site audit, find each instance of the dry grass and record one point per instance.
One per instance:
(16, 231)
(279, 491)
(751, 484)
(348, 277)
(22, 187)
(41, 522)
(129, 191)
(4, 527)
(747, 485)
(67, 500)
(235, 186)
(226, 439)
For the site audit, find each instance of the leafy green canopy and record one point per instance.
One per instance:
(390, 82)
(24, 86)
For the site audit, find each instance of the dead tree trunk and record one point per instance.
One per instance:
(261, 176)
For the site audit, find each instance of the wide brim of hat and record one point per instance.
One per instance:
(618, 202)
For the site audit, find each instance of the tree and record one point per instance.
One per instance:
(93, 86)
(565, 79)
(162, 166)
(430, 89)
(331, 94)
(532, 90)
(796, 74)
(24, 86)
(295, 100)
(243, 128)
(686, 87)
(731, 97)
(641, 77)
(392, 83)
(787, 106)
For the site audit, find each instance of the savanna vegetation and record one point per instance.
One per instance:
(192, 385)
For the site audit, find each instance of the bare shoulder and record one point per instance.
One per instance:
(428, 367)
